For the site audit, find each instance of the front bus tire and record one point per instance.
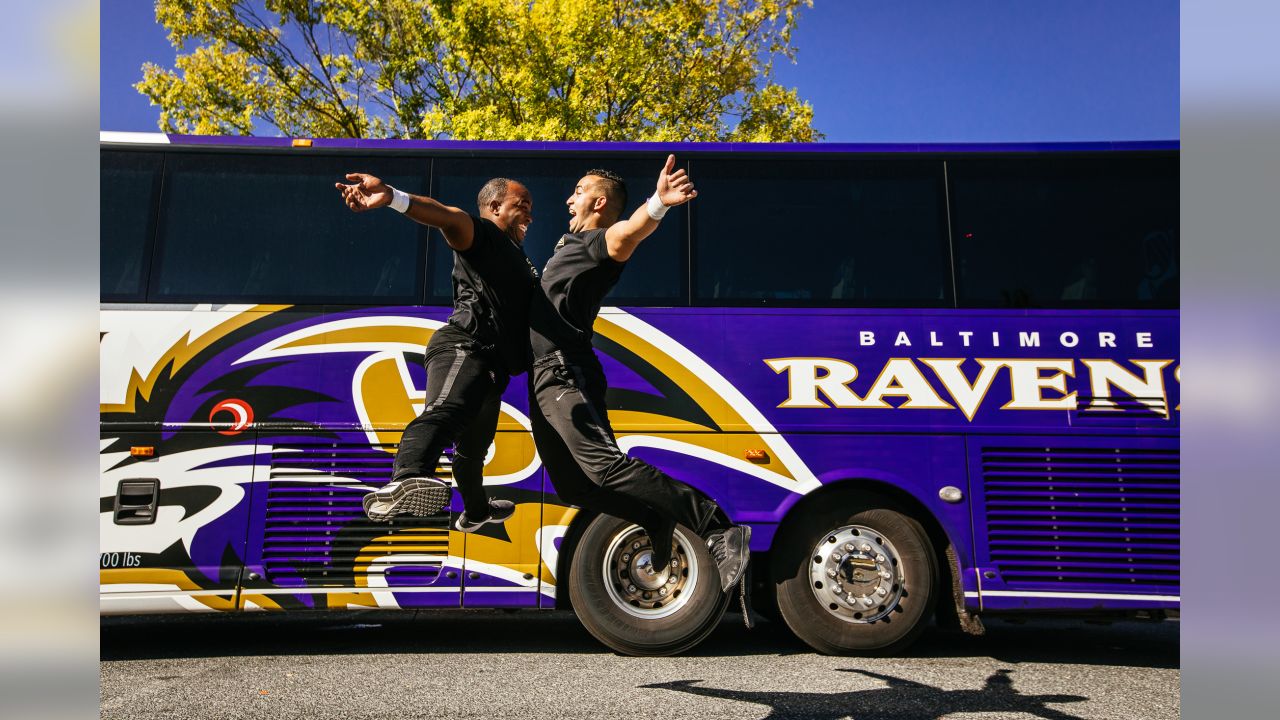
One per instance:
(635, 611)
(856, 583)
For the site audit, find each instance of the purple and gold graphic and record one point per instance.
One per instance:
(1057, 431)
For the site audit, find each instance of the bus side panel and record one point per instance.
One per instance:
(1078, 523)
(918, 465)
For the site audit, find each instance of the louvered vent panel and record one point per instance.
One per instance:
(1099, 517)
(316, 530)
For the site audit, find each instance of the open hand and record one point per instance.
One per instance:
(366, 193)
(674, 186)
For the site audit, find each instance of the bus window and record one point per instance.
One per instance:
(1066, 232)
(820, 232)
(654, 276)
(130, 189)
(271, 228)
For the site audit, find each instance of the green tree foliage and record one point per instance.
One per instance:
(663, 70)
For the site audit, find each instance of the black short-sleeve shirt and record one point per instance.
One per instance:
(574, 283)
(493, 282)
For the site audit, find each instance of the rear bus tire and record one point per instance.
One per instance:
(859, 583)
(637, 612)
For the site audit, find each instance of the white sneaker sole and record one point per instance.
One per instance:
(415, 496)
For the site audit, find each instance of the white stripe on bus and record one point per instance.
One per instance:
(1074, 596)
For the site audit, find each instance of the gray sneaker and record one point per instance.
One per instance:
(412, 496)
(731, 549)
(499, 511)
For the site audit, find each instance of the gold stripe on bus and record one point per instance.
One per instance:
(379, 334)
(162, 576)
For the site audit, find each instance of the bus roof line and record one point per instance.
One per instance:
(653, 147)
(137, 138)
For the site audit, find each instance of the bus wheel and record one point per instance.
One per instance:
(632, 609)
(860, 583)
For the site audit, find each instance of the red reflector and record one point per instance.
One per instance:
(142, 451)
(755, 455)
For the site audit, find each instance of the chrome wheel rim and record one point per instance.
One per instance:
(632, 585)
(856, 574)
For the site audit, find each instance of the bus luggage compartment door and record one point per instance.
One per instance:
(171, 522)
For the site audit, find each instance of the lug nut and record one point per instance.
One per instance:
(865, 548)
(662, 592)
(848, 547)
(648, 595)
(635, 546)
(631, 588)
(884, 574)
(881, 591)
(835, 557)
(880, 558)
(868, 601)
(626, 557)
(831, 573)
(671, 580)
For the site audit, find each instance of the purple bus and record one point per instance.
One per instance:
(939, 382)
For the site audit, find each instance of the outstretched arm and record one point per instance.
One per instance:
(370, 193)
(674, 188)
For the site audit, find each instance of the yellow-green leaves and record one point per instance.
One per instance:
(481, 69)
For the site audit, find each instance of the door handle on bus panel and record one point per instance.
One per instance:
(136, 500)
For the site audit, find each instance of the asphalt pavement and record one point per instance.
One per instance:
(531, 665)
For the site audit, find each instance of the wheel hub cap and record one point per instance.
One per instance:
(856, 574)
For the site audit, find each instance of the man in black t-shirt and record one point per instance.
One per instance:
(472, 358)
(567, 385)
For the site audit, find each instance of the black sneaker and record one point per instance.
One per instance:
(731, 549)
(411, 496)
(499, 511)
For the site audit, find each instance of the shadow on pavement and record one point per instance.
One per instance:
(900, 700)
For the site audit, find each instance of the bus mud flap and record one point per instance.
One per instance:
(970, 624)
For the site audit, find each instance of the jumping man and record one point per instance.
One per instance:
(471, 359)
(567, 385)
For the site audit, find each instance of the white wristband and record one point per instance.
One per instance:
(655, 208)
(399, 200)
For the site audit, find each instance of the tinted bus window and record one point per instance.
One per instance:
(272, 228)
(654, 275)
(1066, 232)
(130, 190)
(820, 232)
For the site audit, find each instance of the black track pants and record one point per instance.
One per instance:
(576, 443)
(464, 398)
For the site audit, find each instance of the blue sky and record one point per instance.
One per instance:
(890, 71)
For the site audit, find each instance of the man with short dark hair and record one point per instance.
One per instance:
(471, 359)
(567, 384)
